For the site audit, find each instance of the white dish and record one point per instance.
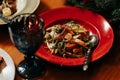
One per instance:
(24, 6)
(8, 73)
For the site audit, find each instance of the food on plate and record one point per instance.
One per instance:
(67, 40)
(1, 58)
(2, 64)
(8, 8)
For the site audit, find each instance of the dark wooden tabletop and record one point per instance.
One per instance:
(106, 68)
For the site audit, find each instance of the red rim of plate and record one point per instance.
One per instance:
(95, 22)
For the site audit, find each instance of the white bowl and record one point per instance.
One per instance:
(24, 6)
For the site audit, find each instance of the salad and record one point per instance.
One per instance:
(67, 40)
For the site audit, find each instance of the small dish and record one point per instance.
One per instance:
(24, 6)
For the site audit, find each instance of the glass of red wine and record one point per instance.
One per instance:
(27, 33)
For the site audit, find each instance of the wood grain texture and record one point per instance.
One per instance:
(106, 68)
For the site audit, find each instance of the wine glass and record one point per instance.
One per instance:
(27, 32)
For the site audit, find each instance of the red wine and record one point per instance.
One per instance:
(28, 43)
(26, 32)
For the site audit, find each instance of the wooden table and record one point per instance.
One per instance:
(106, 68)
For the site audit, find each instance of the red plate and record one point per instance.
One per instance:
(90, 20)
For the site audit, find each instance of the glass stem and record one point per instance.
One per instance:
(29, 60)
